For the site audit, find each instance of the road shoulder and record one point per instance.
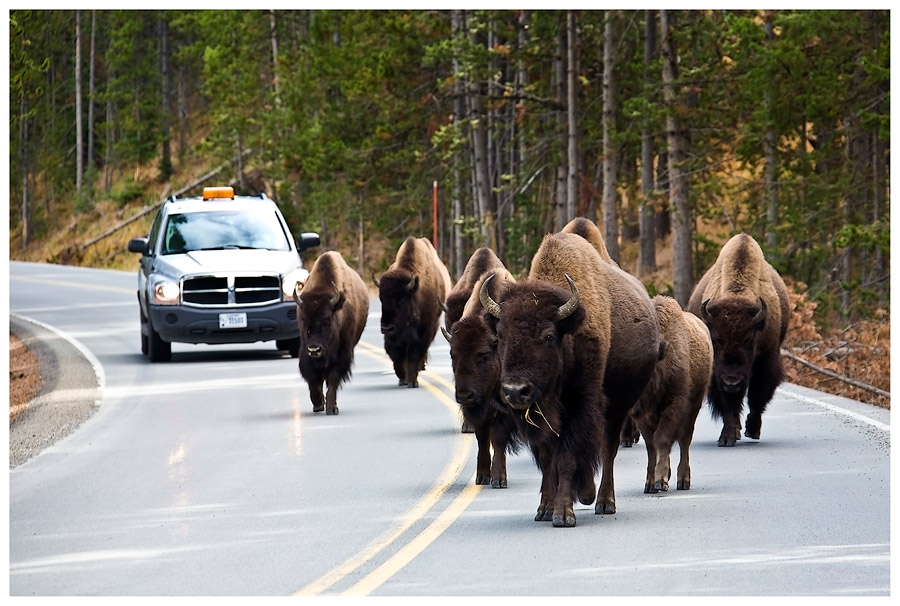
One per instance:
(68, 396)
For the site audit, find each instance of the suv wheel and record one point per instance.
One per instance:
(157, 349)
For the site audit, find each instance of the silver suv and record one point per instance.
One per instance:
(219, 269)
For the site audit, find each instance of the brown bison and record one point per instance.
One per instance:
(482, 263)
(744, 302)
(572, 366)
(667, 410)
(412, 293)
(332, 310)
(476, 373)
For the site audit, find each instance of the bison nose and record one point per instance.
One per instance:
(517, 396)
(465, 397)
(314, 351)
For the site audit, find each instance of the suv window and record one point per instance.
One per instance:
(223, 229)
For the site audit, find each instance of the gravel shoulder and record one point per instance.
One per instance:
(68, 393)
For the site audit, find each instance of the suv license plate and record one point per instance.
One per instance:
(233, 320)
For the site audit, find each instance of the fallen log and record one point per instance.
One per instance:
(834, 375)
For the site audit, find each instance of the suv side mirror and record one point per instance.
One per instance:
(306, 240)
(139, 245)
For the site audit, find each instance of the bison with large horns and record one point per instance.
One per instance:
(744, 302)
(412, 293)
(578, 341)
(332, 310)
(667, 410)
(476, 374)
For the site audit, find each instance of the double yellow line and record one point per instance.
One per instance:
(418, 543)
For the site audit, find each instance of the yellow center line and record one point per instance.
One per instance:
(448, 477)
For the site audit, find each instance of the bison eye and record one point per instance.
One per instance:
(550, 337)
(484, 357)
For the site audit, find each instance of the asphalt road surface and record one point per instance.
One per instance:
(211, 475)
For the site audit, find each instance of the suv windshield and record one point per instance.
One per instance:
(223, 229)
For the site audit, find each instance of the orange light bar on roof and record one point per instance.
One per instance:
(211, 193)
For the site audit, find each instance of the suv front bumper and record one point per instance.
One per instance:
(180, 324)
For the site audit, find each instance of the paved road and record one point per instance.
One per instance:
(210, 475)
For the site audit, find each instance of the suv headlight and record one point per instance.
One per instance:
(166, 292)
(290, 280)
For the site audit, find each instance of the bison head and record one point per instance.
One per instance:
(316, 317)
(476, 365)
(397, 291)
(734, 328)
(533, 322)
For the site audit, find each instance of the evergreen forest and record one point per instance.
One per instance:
(672, 129)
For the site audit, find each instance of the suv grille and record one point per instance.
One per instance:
(241, 291)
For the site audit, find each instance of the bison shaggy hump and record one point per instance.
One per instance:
(572, 365)
(667, 410)
(412, 293)
(332, 311)
(588, 230)
(744, 303)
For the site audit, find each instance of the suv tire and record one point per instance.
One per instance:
(157, 349)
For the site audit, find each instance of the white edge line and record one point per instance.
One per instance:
(838, 409)
(87, 353)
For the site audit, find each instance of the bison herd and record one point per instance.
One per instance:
(570, 361)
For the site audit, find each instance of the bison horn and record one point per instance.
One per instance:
(375, 280)
(443, 305)
(446, 334)
(491, 306)
(413, 284)
(297, 299)
(337, 295)
(566, 309)
(704, 313)
(761, 314)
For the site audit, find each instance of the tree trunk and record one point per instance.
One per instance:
(647, 256)
(26, 211)
(165, 163)
(457, 18)
(559, 82)
(572, 125)
(610, 156)
(90, 123)
(771, 187)
(79, 136)
(678, 197)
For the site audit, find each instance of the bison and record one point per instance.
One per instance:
(332, 310)
(744, 303)
(476, 373)
(572, 366)
(667, 410)
(412, 293)
(482, 262)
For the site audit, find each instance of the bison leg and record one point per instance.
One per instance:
(483, 465)
(412, 372)
(564, 503)
(331, 407)
(548, 487)
(669, 426)
(651, 459)
(685, 436)
(766, 376)
(499, 442)
(316, 396)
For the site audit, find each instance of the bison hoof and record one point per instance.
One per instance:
(660, 485)
(727, 441)
(566, 521)
(412, 385)
(499, 484)
(318, 407)
(332, 411)
(482, 480)
(684, 485)
(543, 516)
(602, 508)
